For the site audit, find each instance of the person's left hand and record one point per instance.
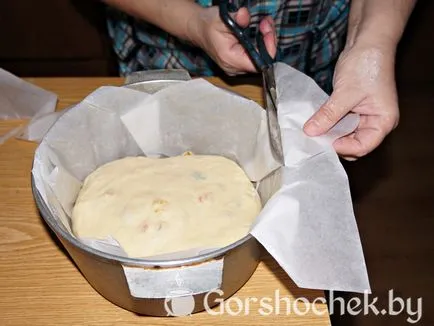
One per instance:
(364, 83)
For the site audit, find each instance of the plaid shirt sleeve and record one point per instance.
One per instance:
(311, 34)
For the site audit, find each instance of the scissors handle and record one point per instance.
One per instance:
(261, 59)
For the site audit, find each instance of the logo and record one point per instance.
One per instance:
(179, 303)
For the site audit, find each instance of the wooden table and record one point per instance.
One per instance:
(40, 285)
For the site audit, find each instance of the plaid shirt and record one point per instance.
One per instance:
(311, 34)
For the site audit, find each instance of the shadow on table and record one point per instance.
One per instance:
(248, 79)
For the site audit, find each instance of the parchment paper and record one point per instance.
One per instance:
(21, 100)
(307, 222)
(308, 226)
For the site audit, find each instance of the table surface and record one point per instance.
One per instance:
(40, 285)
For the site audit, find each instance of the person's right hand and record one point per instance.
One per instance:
(210, 33)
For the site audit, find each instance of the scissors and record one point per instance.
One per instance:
(264, 63)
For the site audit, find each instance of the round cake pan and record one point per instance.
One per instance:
(159, 287)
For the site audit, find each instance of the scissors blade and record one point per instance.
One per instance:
(269, 84)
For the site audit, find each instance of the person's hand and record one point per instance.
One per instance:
(210, 33)
(364, 83)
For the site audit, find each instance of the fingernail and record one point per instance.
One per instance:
(311, 127)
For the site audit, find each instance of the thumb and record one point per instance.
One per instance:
(333, 110)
